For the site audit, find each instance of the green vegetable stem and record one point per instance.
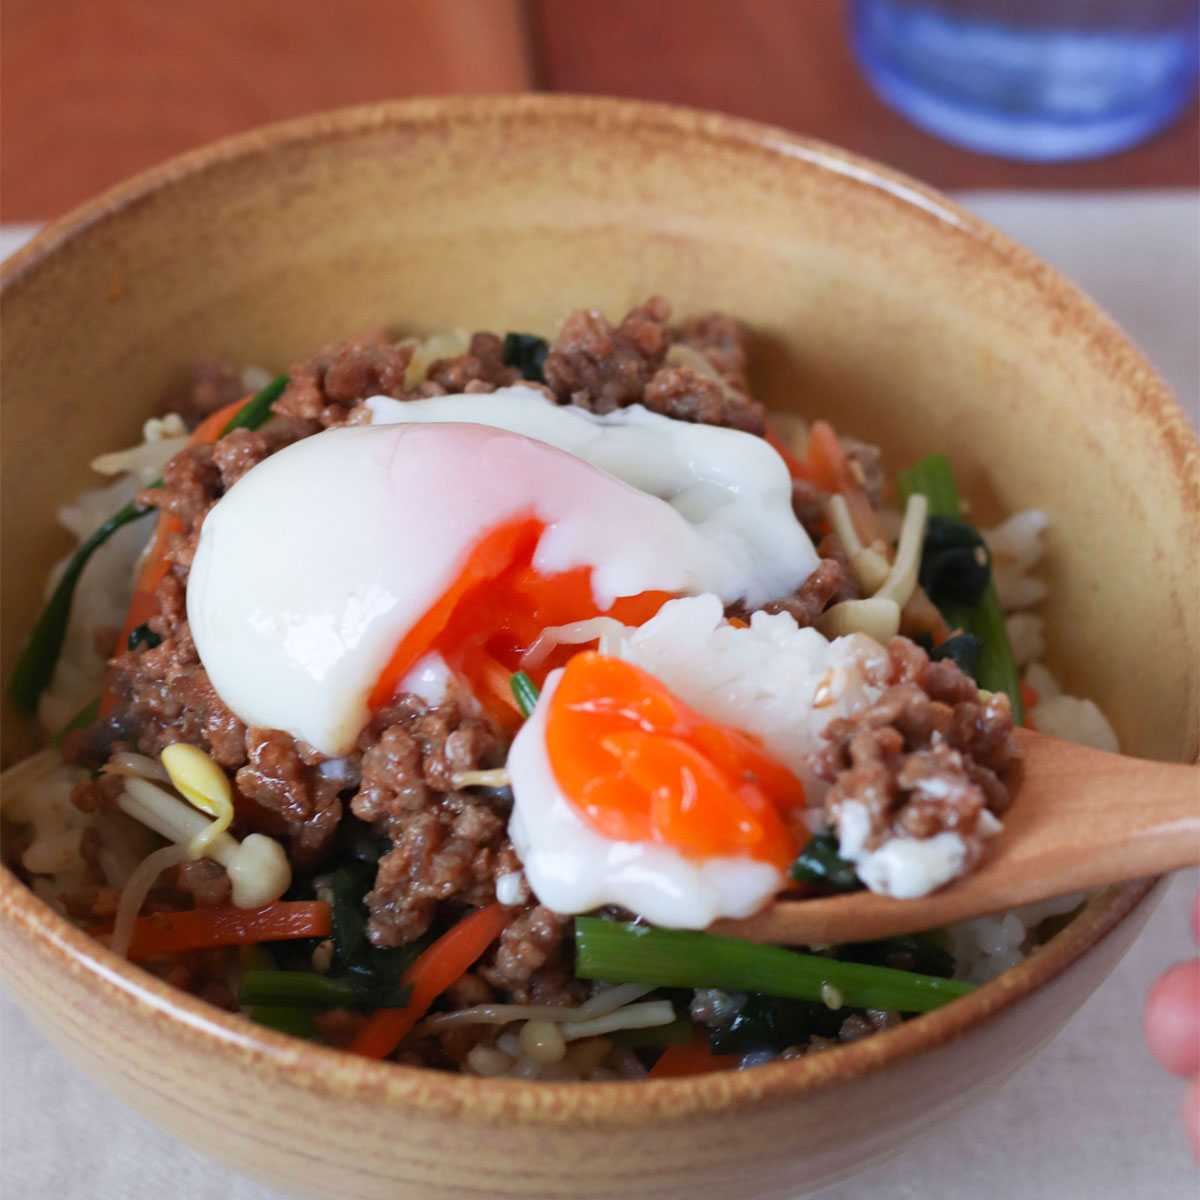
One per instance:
(525, 692)
(933, 477)
(621, 953)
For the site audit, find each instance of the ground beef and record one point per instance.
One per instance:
(531, 960)
(927, 756)
(600, 368)
(447, 844)
(190, 485)
(468, 991)
(280, 776)
(830, 547)
(688, 395)
(808, 503)
(866, 462)
(235, 453)
(814, 595)
(98, 793)
(723, 341)
(165, 695)
(327, 386)
(481, 369)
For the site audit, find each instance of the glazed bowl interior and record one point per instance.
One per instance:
(874, 302)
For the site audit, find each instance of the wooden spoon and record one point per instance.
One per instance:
(1080, 818)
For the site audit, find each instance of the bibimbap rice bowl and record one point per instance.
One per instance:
(464, 680)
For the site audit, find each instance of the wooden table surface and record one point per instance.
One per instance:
(92, 92)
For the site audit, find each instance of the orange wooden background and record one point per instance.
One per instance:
(94, 90)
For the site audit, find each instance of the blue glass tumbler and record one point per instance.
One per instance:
(1040, 80)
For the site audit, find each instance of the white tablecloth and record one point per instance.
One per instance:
(1091, 1118)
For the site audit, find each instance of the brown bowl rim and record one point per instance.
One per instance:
(335, 1074)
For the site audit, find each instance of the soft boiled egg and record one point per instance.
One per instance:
(626, 795)
(346, 564)
(670, 776)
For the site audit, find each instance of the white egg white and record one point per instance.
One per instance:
(730, 486)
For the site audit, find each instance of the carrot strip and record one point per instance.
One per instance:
(497, 699)
(1029, 699)
(826, 461)
(444, 962)
(794, 464)
(209, 928)
(694, 1058)
(830, 470)
(210, 428)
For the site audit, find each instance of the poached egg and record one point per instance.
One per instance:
(338, 566)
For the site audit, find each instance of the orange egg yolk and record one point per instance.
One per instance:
(641, 766)
(494, 611)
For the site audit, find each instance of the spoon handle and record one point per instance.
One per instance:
(1081, 818)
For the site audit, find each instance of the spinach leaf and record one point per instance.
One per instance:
(963, 650)
(956, 567)
(143, 635)
(819, 862)
(773, 1023)
(527, 353)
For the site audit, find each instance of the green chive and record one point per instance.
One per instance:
(524, 691)
(35, 667)
(621, 953)
(256, 411)
(302, 989)
(295, 1021)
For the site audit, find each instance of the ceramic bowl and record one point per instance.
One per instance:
(875, 300)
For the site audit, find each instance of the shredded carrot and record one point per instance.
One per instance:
(830, 469)
(497, 697)
(694, 1058)
(210, 428)
(209, 928)
(827, 464)
(143, 605)
(794, 464)
(444, 962)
